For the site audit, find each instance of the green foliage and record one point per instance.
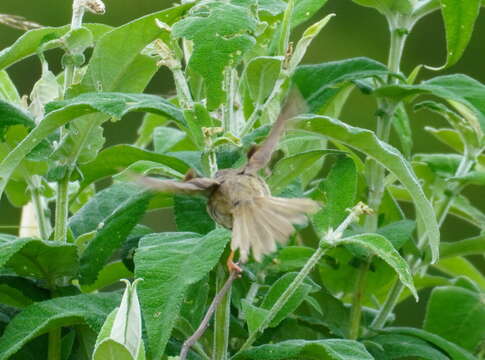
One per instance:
(327, 292)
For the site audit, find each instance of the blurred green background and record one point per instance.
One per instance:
(355, 31)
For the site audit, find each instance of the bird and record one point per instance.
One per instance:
(240, 200)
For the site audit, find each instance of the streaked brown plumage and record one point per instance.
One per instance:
(239, 199)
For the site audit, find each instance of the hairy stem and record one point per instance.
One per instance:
(38, 201)
(376, 174)
(414, 262)
(62, 210)
(222, 316)
(205, 321)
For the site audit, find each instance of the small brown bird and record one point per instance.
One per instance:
(239, 199)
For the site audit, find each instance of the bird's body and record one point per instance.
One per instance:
(243, 202)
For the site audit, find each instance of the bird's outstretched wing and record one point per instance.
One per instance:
(192, 186)
(262, 155)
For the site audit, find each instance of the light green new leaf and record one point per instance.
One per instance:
(11, 115)
(456, 314)
(305, 41)
(473, 177)
(261, 75)
(46, 260)
(110, 274)
(111, 234)
(459, 17)
(39, 318)
(288, 169)
(449, 137)
(319, 83)
(29, 43)
(471, 246)
(383, 248)
(367, 142)
(169, 263)
(335, 349)
(122, 330)
(115, 158)
(8, 91)
(453, 350)
(221, 35)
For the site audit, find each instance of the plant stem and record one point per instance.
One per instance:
(296, 283)
(54, 349)
(62, 210)
(222, 315)
(43, 222)
(441, 214)
(376, 174)
(205, 321)
(356, 312)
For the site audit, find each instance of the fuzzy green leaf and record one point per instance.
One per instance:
(305, 9)
(460, 266)
(46, 260)
(320, 83)
(456, 314)
(389, 7)
(471, 246)
(331, 349)
(366, 141)
(340, 190)
(8, 91)
(115, 158)
(29, 43)
(454, 351)
(39, 318)
(169, 263)
(261, 75)
(383, 248)
(221, 35)
(191, 215)
(111, 234)
(11, 115)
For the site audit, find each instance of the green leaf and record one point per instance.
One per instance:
(457, 89)
(116, 105)
(30, 42)
(261, 75)
(320, 83)
(471, 246)
(278, 288)
(473, 177)
(39, 318)
(402, 127)
(291, 258)
(366, 141)
(46, 260)
(397, 346)
(389, 7)
(458, 266)
(146, 129)
(459, 18)
(169, 263)
(383, 248)
(340, 190)
(191, 215)
(456, 314)
(117, 68)
(305, 9)
(109, 274)
(20, 292)
(222, 30)
(11, 115)
(448, 137)
(335, 349)
(111, 234)
(454, 351)
(290, 168)
(164, 138)
(398, 233)
(253, 315)
(8, 91)
(111, 160)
